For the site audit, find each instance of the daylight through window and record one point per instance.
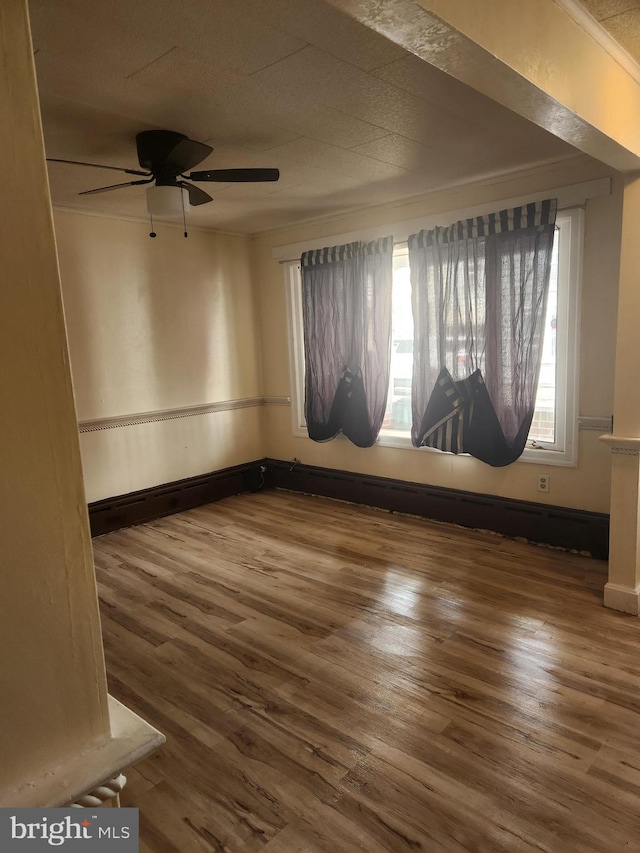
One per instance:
(553, 434)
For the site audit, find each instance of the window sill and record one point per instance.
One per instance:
(399, 439)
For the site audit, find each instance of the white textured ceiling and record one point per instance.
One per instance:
(349, 118)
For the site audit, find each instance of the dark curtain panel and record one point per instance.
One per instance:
(479, 294)
(346, 304)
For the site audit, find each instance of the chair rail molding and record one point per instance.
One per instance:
(589, 423)
(135, 418)
(622, 445)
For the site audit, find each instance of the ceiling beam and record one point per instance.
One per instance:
(532, 57)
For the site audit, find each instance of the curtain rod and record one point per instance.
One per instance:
(575, 195)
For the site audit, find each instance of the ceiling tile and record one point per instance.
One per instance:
(410, 155)
(178, 77)
(77, 132)
(625, 29)
(240, 157)
(181, 73)
(438, 165)
(226, 34)
(314, 76)
(157, 20)
(349, 118)
(461, 114)
(601, 9)
(336, 160)
(127, 98)
(430, 84)
(57, 32)
(230, 128)
(260, 103)
(337, 128)
(336, 84)
(325, 27)
(233, 36)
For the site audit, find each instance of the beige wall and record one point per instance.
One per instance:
(164, 323)
(159, 324)
(587, 485)
(53, 700)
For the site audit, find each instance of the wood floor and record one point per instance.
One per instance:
(334, 678)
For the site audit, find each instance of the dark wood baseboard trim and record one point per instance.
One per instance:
(145, 505)
(549, 525)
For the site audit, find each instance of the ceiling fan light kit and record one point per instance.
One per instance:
(165, 156)
(167, 201)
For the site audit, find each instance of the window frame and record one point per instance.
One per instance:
(296, 346)
(565, 448)
(570, 250)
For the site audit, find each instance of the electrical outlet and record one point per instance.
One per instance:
(544, 483)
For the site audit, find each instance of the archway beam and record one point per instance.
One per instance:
(533, 57)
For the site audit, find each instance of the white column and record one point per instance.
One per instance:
(622, 591)
(60, 734)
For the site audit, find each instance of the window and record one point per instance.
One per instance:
(553, 436)
(543, 429)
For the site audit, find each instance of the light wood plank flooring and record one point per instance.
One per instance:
(334, 678)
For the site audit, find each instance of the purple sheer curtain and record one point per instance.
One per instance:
(479, 294)
(346, 305)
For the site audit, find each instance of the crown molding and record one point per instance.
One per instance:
(600, 35)
(120, 217)
(487, 179)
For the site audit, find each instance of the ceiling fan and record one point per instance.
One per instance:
(165, 156)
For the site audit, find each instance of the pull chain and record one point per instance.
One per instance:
(184, 222)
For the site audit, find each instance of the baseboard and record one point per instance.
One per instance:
(145, 505)
(622, 598)
(549, 525)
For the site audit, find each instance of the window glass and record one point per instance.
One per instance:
(398, 414)
(397, 420)
(543, 427)
(553, 435)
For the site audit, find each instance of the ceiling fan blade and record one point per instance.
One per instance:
(168, 152)
(115, 187)
(235, 175)
(98, 166)
(186, 155)
(154, 146)
(196, 195)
